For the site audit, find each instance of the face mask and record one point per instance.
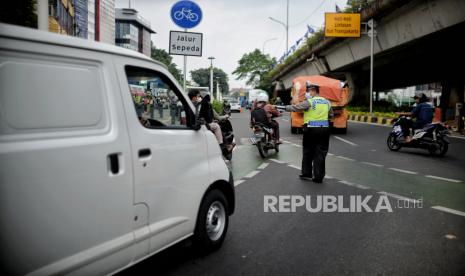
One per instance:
(307, 95)
(199, 99)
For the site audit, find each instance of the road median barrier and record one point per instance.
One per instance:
(371, 119)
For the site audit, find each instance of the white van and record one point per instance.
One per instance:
(94, 175)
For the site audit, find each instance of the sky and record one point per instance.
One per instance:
(232, 28)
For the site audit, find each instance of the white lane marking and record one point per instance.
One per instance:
(354, 185)
(399, 197)
(448, 210)
(373, 164)
(329, 177)
(238, 182)
(330, 154)
(345, 141)
(252, 174)
(277, 161)
(345, 158)
(443, 178)
(295, 145)
(262, 166)
(295, 167)
(287, 142)
(403, 171)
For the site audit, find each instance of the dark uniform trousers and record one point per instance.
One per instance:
(315, 149)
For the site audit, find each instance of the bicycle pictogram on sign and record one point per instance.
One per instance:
(186, 14)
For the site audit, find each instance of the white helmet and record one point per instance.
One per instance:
(262, 98)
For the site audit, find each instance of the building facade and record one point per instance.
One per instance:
(61, 17)
(81, 18)
(133, 31)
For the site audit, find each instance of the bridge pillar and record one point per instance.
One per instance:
(452, 93)
(359, 93)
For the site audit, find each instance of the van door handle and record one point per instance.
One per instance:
(144, 153)
(113, 163)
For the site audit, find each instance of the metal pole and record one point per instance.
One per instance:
(185, 66)
(217, 89)
(266, 41)
(372, 34)
(42, 15)
(287, 28)
(211, 75)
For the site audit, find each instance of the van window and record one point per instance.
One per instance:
(157, 102)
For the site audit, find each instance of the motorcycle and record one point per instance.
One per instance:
(263, 138)
(228, 137)
(433, 137)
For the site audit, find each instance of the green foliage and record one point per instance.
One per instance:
(202, 78)
(21, 13)
(162, 56)
(254, 67)
(218, 106)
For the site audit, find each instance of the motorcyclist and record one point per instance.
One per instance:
(423, 112)
(263, 112)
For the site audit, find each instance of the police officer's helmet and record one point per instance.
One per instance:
(312, 85)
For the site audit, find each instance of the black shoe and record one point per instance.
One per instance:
(305, 177)
(317, 180)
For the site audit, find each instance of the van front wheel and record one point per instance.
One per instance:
(212, 222)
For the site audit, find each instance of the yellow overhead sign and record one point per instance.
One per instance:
(342, 24)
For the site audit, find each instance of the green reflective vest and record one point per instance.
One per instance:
(317, 114)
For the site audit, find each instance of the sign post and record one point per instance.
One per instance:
(348, 25)
(186, 14)
(342, 24)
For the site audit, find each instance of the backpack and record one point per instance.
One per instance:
(259, 115)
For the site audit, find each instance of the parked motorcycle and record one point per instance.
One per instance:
(433, 137)
(263, 138)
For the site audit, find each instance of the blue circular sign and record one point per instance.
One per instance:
(186, 14)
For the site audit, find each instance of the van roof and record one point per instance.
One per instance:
(29, 34)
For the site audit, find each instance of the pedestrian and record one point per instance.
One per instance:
(317, 113)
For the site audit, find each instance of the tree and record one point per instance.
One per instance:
(21, 13)
(202, 78)
(163, 57)
(254, 67)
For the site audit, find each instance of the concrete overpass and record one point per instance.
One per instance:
(418, 42)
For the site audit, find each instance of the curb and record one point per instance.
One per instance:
(371, 119)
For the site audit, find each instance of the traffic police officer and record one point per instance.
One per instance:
(317, 112)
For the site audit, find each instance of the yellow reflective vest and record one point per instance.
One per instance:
(317, 114)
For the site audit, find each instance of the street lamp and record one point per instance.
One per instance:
(211, 75)
(218, 88)
(268, 40)
(286, 26)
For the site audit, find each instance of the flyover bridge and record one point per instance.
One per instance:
(417, 42)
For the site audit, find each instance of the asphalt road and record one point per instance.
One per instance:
(428, 238)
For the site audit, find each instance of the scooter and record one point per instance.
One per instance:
(262, 137)
(433, 137)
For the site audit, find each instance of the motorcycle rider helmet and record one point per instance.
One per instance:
(262, 98)
(422, 97)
